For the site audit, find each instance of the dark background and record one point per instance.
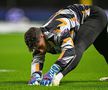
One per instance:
(38, 10)
(46, 3)
(36, 3)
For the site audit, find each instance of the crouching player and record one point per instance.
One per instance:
(70, 31)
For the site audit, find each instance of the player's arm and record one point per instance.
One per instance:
(36, 68)
(68, 54)
(65, 58)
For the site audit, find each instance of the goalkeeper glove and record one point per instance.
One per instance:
(48, 77)
(35, 78)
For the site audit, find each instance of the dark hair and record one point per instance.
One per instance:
(32, 37)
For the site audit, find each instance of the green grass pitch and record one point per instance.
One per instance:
(14, 56)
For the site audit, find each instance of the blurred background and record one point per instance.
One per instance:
(16, 17)
(19, 15)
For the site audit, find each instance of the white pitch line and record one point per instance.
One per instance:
(6, 70)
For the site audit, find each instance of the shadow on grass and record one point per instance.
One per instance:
(14, 82)
(75, 84)
(86, 83)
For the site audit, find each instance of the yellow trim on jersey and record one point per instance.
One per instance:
(65, 41)
(63, 22)
(71, 32)
(73, 19)
(37, 66)
(61, 55)
(68, 39)
(57, 31)
(86, 2)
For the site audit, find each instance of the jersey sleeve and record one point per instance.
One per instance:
(67, 44)
(37, 62)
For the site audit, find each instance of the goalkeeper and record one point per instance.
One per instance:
(70, 31)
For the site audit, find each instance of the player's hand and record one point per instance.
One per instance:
(35, 79)
(47, 80)
(48, 77)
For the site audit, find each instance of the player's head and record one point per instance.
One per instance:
(34, 39)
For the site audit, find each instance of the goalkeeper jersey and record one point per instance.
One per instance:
(60, 31)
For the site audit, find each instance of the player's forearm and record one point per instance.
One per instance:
(64, 60)
(36, 67)
(68, 56)
(37, 63)
(56, 68)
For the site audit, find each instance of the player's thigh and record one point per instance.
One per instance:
(101, 44)
(87, 34)
(91, 28)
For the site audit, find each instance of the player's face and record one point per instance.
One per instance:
(41, 45)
